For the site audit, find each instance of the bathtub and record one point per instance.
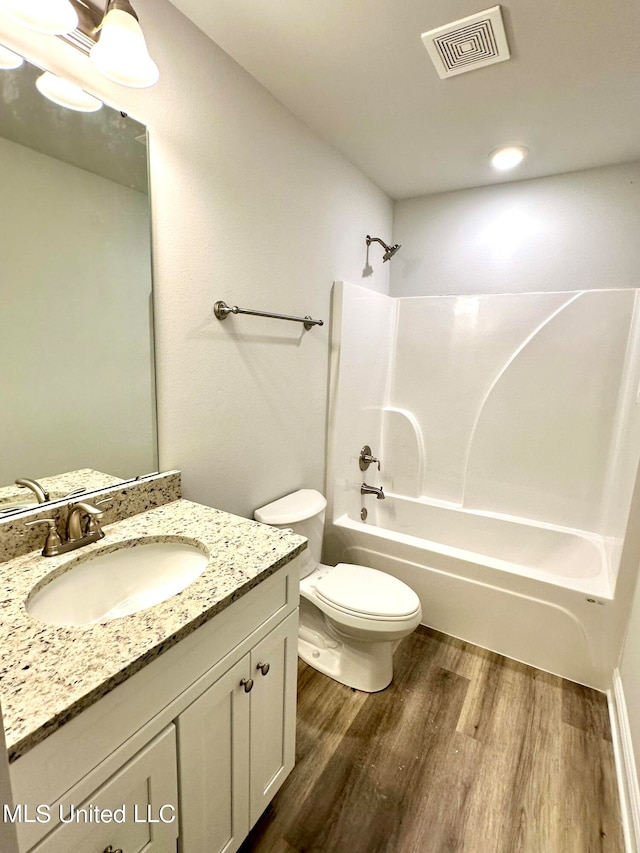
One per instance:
(538, 593)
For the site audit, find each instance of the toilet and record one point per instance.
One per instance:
(351, 617)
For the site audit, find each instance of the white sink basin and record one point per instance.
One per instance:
(115, 582)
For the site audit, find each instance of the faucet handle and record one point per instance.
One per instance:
(74, 493)
(365, 459)
(94, 525)
(77, 512)
(53, 541)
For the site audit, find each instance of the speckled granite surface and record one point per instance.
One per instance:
(50, 674)
(58, 485)
(123, 500)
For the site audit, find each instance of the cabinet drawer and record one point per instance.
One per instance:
(142, 803)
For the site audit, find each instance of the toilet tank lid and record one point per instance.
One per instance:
(298, 506)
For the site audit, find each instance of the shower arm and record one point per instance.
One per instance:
(389, 251)
(371, 240)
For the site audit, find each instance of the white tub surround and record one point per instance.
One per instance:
(507, 429)
(50, 674)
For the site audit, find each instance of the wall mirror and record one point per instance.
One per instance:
(77, 386)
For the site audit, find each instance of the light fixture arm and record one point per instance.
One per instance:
(90, 17)
(123, 6)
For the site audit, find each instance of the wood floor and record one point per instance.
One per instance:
(465, 751)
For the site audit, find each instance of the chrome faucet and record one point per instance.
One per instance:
(42, 495)
(372, 490)
(77, 535)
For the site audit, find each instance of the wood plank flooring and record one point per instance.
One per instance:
(465, 751)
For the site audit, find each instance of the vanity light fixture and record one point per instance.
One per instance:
(45, 16)
(112, 37)
(66, 94)
(508, 157)
(121, 52)
(9, 60)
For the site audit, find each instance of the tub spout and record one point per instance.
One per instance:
(372, 490)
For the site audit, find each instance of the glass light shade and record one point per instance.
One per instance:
(8, 59)
(55, 17)
(507, 158)
(121, 52)
(66, 94)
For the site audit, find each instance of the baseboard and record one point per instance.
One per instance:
(625, 765)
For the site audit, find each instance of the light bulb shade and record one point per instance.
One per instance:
(507, 158)
(8, 59)
(55, 17)
(121, 53)
(66, 94)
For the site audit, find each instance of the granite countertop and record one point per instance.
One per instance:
(58, 485)
(49, 674)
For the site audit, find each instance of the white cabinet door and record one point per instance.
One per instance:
(273, 713)
(143, 795)
(236, 744)
(213, 738)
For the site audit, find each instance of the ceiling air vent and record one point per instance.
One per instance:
(468, 44)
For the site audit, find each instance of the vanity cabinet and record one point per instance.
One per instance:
(218, 750)
(137, 796)
(237, 744)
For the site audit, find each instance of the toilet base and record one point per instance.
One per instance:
(366, 666)
(368, 669)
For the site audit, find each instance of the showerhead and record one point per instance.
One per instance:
(389, 251)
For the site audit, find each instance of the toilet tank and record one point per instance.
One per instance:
(302, 511)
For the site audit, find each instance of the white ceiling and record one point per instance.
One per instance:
(357, 73)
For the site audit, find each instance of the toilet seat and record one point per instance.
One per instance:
(366, 593)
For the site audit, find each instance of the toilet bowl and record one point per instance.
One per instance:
(351, 617)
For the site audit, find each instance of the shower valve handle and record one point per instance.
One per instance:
(365, 458)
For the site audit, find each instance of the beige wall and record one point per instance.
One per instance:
(248, 206)
(575, 231)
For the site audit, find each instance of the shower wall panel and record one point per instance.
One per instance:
(515, 401)
(362, 337)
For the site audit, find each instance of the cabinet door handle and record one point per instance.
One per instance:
(247, 683)
(110, 849)
(263, 667)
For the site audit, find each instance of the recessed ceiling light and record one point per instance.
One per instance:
(66, 94)
(8, 59)
(507, 158)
